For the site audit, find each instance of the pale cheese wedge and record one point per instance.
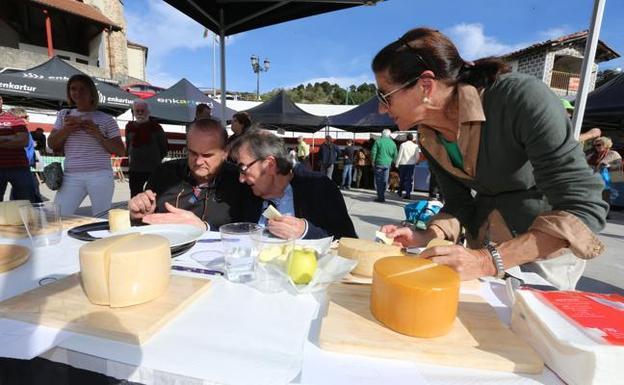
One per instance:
(271, 212)
(381, 236)
(118, 220)
(366, 252)
(438, 242)
(9, 212)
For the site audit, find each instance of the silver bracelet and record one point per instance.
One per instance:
(497, 260)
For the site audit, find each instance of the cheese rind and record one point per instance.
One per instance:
(118, 220)
(9, 212)
(412, 296)
(366, 252)
(139, 270)
(125, 270)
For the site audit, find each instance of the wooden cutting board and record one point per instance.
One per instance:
(64, 305)
(12, 256)
(19, 231)
(477, 340)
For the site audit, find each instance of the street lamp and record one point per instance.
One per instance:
(255, 65)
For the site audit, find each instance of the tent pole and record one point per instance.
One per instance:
(311, 153)
(222, 52)
(588, 65)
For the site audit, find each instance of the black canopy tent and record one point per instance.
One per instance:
(605, 105)
(363, 118)
(228, 17)
(176, 104)
(282, 113)
(44, 86)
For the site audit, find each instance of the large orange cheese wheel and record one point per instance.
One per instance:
(414, 296)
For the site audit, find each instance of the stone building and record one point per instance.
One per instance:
(557, 62)
(89, 34)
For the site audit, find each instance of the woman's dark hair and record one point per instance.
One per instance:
(422, 49)
(244, 119)
(87, 81)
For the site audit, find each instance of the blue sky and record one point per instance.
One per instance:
(339, 46)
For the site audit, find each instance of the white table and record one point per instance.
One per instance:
(319, 367)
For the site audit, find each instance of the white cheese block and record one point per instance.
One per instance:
(271, 212)
(118, 220)
(125, 270)
(9, 212)
(566, 349)
(380, 236)
(366, 252)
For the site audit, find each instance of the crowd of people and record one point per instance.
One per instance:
(516, 184)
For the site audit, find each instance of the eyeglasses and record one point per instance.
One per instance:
(383, 98)
(242, 168)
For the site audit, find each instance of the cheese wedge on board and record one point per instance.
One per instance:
(9, 212)
(438, 242)
(366, 252)
(414, 296)
(118, 220)
(125, 270)
(381, 236)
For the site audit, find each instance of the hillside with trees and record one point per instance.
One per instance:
(323, 93)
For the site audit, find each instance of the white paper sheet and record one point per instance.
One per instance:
(233, 334)
(26, 341)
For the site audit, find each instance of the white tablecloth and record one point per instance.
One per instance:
(226, 346)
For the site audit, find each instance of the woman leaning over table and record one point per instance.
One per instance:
(503, 152)
(88, 138)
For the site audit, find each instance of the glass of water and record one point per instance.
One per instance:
(239, 250)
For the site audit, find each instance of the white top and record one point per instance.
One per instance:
(82, 151)
(409, 153)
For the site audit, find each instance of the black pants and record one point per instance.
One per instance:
(137, 181)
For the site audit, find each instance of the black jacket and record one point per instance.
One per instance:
(226, 200)
(319, 201)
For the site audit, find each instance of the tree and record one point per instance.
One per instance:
(326, 93)
(603, 77)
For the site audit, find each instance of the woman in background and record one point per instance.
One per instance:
(240, 124)
(88, 138)
(602, 157)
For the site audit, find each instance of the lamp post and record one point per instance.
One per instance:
(255, 65)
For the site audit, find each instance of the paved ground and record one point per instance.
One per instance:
(602, 273)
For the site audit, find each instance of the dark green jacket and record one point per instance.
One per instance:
(528, 162)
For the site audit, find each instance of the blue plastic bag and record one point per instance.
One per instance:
(604, 173)
(420, 212)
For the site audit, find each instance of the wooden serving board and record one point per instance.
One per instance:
(64, 305)
(19, 231)
(12, 256)
(477, 340)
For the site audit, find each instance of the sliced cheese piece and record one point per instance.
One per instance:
(9, 212)
(383, 238)
(118, 220)
(139, 270)
(414, 296)
(125, 270)
(438, 242)
(366, 252)
(271, 212)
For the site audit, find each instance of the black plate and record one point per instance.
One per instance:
(81, 233)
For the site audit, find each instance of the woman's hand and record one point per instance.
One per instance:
(92, 129)
(405, 236)
(71, 124)
(470, 264)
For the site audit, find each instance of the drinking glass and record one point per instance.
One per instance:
(42, 222)
(239, 250)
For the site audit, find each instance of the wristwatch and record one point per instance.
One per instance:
(497, 260)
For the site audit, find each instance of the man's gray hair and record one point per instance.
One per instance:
(140, 102)
(385, 132)
(262, 144)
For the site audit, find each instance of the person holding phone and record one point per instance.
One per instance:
(88, 138)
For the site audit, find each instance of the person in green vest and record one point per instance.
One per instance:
(502, 149)
(383, 153)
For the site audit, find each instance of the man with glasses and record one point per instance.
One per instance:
(311, 205)
(201, 190)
